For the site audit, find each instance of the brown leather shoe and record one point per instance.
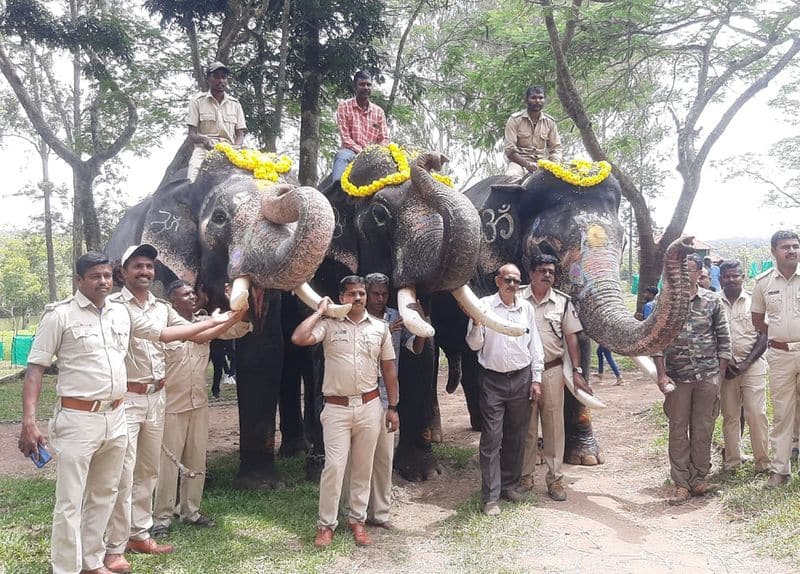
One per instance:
(359, 533)
(703, 489)
(386, 524)
(557, 492)
(148, 546)
(776, 480)
(101, 570)
(525, 483)
(682, 496)
(116, 563)
(324, 537)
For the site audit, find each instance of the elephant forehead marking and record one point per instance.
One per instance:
(596, 236)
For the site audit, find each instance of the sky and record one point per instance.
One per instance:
(721, 210)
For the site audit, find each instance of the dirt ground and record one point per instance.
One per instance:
(615, 519)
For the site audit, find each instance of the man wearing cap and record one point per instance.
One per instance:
(213, 117)
(144, 409)
(89, 334)
(360, 123)
(357, 347)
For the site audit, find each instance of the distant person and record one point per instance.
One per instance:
(650, 294)
(213, 117)
(604, 352)
(360, 123)
(509, 377)
(222, 361)
(774, 309)
(704, 280)
(713, 273)
(530, 135)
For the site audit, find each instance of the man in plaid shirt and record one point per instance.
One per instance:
(360, 123)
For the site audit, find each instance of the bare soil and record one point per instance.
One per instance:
(615, 519)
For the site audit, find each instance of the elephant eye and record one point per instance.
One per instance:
(219, 217)
(380, 213)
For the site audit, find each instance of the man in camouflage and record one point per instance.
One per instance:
(689, 376)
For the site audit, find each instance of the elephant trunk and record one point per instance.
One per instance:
(604, 315)
(461, 225)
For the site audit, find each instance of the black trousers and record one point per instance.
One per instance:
(506, 410)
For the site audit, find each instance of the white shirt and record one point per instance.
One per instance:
(501, 353)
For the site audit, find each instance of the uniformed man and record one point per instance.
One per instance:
(214, 117)
(689, 376)
(745, 383)
(186, 419)
(145, 401)
(777, 295)
(558, 326)
(89, 334)
(530, 135)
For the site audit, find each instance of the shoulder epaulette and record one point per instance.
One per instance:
(519, 114)
(764, 274)
(562, 294)
(54, 304)
(164, 301)
(200, 96)
(115, 297)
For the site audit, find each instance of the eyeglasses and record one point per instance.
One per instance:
(511, 281)
(545, 271)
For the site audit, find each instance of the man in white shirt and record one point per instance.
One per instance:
(510, 377)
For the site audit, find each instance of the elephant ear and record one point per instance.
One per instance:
(171, 227)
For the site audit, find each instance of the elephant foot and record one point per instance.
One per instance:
(584, 457)
(262, 479)
(417, 463)
(293, 447)
(314, 465)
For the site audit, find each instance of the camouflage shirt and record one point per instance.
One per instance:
(705, 339)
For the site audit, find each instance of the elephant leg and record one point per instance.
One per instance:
(580, 444)
(313, 402)
(469, 382)
(414, 459)
(293, 441)
(259, 358)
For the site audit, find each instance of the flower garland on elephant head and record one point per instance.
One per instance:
(579, 172)
(400, 157)
(267, 166)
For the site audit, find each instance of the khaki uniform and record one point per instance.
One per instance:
(133, 512)
(185, 426)
(90, 446)
(353, 352)
(218, 121)
(555, 318)
(532, 141)
(747, 391)
(778, 297)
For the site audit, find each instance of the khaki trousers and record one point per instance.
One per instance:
(550, 409)
(691, 409)
(784, 385)
(748, 391)
(199, 153)
(133, 512)
(353, 432)
(185, 436)
(89, 449)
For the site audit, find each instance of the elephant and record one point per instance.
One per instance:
(579, 225)
(230, 226)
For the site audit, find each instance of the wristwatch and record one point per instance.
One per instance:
(392, 407)
(577, 370)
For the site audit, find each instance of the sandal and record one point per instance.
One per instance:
(201, 520)
(160, 531)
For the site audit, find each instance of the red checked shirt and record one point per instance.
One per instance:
(359, 128)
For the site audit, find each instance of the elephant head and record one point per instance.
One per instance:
(418, 231)
(228, 226)
(580, 226)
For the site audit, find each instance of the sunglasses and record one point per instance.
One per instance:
(511, 281)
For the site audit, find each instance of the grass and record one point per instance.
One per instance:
(454, 456)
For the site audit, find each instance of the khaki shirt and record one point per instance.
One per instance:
(779, 298)
(532, 142)
(91, 345)
(555, 318)
(186, 363)
(353, 352)
(219, 121)
(743, 334)
(145, 359)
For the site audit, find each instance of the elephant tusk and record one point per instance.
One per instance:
(307, 295)
(471, 305)
(239, 293)
(412, 320)
(646, 366)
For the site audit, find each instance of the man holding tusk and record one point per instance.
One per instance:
(558, 326)
(509, 376)
(357, 347)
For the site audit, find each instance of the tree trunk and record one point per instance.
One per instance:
(47, 189)
(277, 114)
(85, 199)
(309, 106)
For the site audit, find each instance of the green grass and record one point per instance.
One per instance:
(454, 456)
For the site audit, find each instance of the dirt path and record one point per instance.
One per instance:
(615, 519)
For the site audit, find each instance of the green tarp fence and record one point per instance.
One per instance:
(20, 349)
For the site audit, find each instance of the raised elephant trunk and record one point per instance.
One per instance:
(602, 311)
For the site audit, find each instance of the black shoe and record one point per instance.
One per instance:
(513, 496)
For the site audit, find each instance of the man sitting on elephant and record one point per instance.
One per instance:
(530, 135)
(213, 116)
(360, 123)
(558, 324)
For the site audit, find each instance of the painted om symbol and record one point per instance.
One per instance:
(493, 223)
(338, 226)
(169, 223)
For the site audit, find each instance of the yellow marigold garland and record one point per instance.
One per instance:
(578, 172)
(402, 174)
(263, 165)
